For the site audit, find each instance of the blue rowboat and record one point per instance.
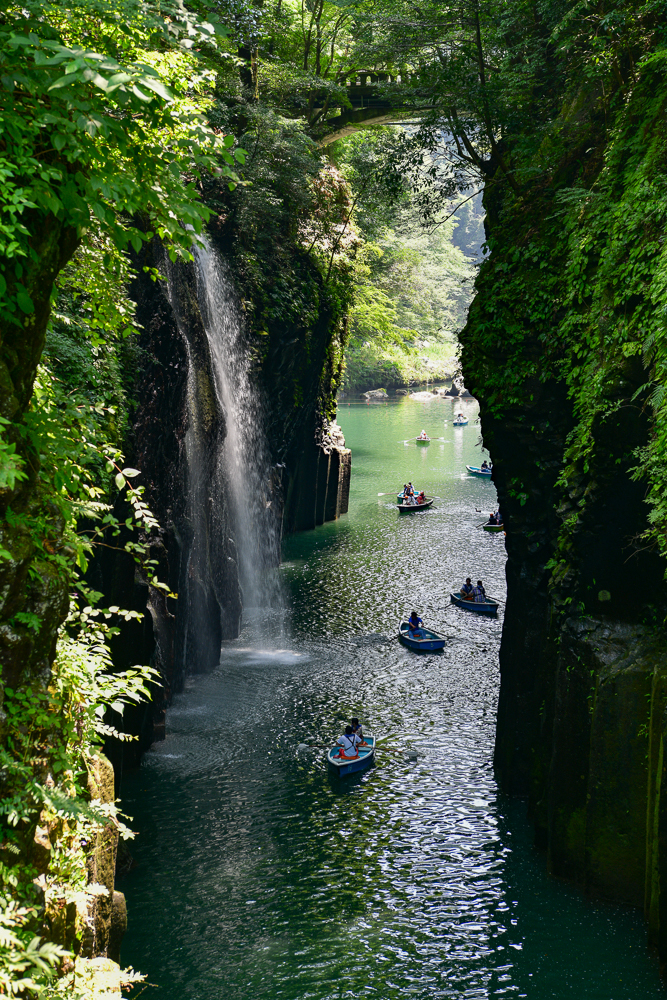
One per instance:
(426, 641)
(486, 607)
(459, 422)
(474, 471)
(350, 766)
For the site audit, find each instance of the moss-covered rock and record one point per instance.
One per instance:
(563, 348)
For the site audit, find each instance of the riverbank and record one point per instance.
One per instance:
(398, 367)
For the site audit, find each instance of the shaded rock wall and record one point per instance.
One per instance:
(318, 484)
(177, 433)
(555, 350)
(299, 365)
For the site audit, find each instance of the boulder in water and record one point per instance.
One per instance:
(374, 394)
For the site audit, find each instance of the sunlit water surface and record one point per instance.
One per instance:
(258, 876)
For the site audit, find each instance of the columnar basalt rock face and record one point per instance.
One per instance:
(178, 412)
(554, 355)
(319, 487)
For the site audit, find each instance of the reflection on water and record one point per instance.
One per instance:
(259, 876)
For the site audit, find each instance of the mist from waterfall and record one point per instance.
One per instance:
(244, 459)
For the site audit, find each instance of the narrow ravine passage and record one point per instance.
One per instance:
(259, 877)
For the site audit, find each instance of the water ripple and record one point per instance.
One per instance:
(260, 877)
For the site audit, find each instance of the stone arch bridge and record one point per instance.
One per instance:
(369, 105)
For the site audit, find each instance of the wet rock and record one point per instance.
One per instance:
(327, 465)
(118, 925)
(374, 394)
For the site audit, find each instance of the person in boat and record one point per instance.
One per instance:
(485, 467)
(479, 594)
(421, 497)
(348, 744)
(466, 591)
(411, 490)
(358, 731)
(423, 436)
(414, 621)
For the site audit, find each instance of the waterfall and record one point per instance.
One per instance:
(243, 462)
(226, 515)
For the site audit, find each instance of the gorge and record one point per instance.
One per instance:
(188, 265)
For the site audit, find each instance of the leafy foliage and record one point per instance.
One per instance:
(573, 291)
(89, 133)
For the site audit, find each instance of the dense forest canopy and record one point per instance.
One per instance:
(122, 122)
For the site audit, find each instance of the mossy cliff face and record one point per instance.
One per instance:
(564, 348)
(297, 327)
(177, 434)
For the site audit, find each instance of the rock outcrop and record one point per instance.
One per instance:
(318, 489)
(553, 350)
(177, 434)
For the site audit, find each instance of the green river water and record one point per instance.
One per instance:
(260, 877)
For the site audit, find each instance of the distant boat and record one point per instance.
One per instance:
(487, 607)
(475, 471)
(349, 766)
(493, 527)
(428, 641)
(459, 421)
(423, 441)
(410, 508)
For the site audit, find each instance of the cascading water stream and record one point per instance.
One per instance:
(244, 461)
(228, 528)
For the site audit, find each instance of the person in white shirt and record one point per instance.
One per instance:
(348, 743)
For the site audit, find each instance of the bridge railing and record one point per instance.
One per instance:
(370, 78)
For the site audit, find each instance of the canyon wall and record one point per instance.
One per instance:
(564, 349)
(177, 435)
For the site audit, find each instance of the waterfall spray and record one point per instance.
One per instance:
(244, 460)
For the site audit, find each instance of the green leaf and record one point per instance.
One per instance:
(120, 480)
(64, 81)
(158, 87)
(130, 473)
(25, 303)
